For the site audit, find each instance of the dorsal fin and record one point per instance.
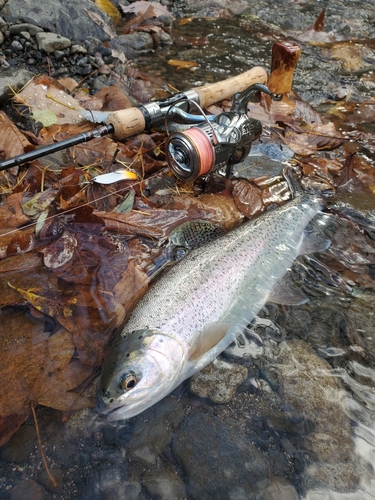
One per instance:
(207, 338)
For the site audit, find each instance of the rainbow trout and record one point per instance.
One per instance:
(197, 308)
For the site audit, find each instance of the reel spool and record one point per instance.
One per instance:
(190, 154)
(210, 146)
(218, 141)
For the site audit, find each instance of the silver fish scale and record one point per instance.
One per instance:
(226, 280)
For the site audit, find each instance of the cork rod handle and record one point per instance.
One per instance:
(128, 122)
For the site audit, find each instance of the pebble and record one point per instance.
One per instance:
(133, 45)
(276, 488)
(26, 35)
(27, 490)
(49, 42)
(164, 485)
(16, 45)
(16, 29)
(218, 381)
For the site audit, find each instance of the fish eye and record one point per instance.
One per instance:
(128, 381)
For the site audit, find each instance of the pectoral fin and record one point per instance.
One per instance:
(207, 338)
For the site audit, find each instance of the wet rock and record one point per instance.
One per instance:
(153, 431)
(276, 488)
(164, 485)
(216, 457)
(307, 386)
(111, 486)
(26, 490)
(16, 29)
(56, 16)
(15, 79)
(20, 446)
(133, 45)
(49, 42)
(218, 381)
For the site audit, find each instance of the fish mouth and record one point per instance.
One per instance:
(119, 411)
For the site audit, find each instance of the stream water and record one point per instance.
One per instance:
(302, 423)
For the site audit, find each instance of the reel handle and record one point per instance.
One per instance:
(128, 122)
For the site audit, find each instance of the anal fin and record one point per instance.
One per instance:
(287, 293)
(207, 338)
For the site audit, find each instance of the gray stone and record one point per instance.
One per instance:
(2, 37)
(217, 457)
(27, 490)
(164, 485)
(16, 45)
(19, 447)
(77, 49)
(134, 44)
(16, 29)
(3, 62)
(49, 42)
(26, 35)
(68, 18)
(218, 381)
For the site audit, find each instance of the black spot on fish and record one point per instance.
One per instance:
(127, 355)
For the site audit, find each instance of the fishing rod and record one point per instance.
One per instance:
(128, 122)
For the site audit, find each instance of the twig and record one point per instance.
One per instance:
(51, 478)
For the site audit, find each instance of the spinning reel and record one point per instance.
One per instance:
(217, 141)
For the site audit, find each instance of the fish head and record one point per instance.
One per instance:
(143, 366)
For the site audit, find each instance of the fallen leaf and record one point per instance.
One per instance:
(50, 97)
(100, 22)
(351, 54)
(183, 64)
(248, 198)
(109, 99)
(140, 7)
(110, 9)
(307, 140)
(12, 141)
(11, 213)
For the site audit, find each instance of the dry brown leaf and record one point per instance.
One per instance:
(12, 141)
(178, 64)
(38, 367)
(11, 213)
